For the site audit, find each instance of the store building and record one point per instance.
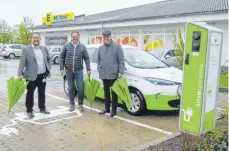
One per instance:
(146, 26)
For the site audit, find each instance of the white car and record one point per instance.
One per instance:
(11, 50)
(153, 84)
(54, 53)
(166, 55)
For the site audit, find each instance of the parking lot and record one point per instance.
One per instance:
(86, 131)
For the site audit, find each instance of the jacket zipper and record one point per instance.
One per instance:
(73, 60)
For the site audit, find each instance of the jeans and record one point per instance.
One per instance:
(71, 77)
(41, 93)
(107, 84)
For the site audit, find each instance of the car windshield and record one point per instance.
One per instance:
(157, 53)
(139, 58)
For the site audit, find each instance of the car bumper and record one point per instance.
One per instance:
(162, 102)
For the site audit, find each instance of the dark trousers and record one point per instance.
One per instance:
(41, 93)
(107, 84)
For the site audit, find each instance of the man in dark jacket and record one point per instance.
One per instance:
(110, 67)
(71, 58)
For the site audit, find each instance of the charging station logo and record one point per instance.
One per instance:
(187, 114)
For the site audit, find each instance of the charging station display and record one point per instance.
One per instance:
(200, 78)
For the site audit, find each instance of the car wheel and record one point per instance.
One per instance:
(56, 60)
(138, 103)
(11, 56)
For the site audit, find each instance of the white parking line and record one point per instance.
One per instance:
(118, 117)
(221, 109)
(22, 117)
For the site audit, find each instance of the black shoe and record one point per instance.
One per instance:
(104, 112)
(112, 114)
(44, 111)
(30, 114)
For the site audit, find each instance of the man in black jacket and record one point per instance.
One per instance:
(71, 58)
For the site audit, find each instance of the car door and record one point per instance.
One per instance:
(16, 50)
(57, 52)
(20, 50)
(52, 53)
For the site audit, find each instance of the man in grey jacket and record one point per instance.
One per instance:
(110, 67)
(71, 59)
(35, 66)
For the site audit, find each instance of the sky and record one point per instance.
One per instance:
(14, 10)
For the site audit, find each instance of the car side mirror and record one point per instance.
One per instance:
(167, 56)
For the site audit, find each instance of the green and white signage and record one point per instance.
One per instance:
(200, 78)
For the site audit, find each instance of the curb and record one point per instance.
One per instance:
(144, 147)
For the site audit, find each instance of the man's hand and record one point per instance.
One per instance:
(20, 76)
(89, 73)
(120, 76)
(62, 72)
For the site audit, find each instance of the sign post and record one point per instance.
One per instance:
(201, 74)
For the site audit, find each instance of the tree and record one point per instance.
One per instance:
(22, 32)
(179, 46)
(5, 32)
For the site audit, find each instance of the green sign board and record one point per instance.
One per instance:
(200, 78)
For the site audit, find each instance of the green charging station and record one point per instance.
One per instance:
(201, 73)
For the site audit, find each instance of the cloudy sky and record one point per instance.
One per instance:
(13, 10)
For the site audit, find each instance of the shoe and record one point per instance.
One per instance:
(71, 108)
(80, 108)
(104, 111)
(44, 112)
(30, 114)
(112, 114)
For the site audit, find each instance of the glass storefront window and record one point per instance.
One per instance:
(133, 41)
(148, 42)
(169, 41)
(148, 32)
(114, 37)
(158, 41)
(95, 39)
(99, 39)
(152, 39)
(91, 40)
(126, 38)
(170, 31)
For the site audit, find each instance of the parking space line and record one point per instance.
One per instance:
(54, 121)
(118, 117)
(221, 109)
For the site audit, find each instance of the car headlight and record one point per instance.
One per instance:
(161, 82)
(179, 90)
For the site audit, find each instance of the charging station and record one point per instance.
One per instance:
(201, 73)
